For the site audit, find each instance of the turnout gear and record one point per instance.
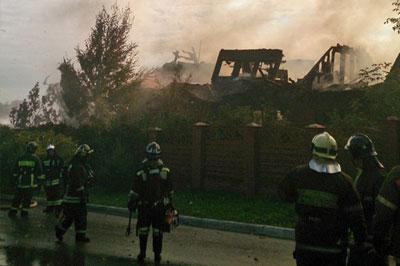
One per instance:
(26, 171)
(387, 220)
(327, 204)
(369, 178)
(52, 175)
(324, 146)
(79, 177)
(151, 194)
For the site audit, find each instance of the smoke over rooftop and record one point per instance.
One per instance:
(35, 35)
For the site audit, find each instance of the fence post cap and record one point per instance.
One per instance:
(201, 124)
(392, 118)
(253, 124)
(316, 126)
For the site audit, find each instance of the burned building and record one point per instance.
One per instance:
(336, 68)
(256, 64)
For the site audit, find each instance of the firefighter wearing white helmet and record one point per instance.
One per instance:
(327, 204)
(151, 195)
(52, 174)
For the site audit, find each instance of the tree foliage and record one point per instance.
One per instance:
(395, 21)
(107, 68)
(34, 110)
(375, 73)
(74, 96)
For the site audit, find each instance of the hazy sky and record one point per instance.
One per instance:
(36, 34)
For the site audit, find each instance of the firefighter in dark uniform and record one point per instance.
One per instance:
(327, 204)
(26, 171)
(79, 178)
(151, 194)
(387, 219)
(369, 178)
(52, 173)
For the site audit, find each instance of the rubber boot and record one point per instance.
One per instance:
(157, 259)
(143, 247)
(81, 238)
(157, 247)
(59, 234)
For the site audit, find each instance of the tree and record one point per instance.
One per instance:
(395, 21)
(49, 101)
(25, 115)
(74, 96)
(20, 116)
(107, 67)
(375, 73)
(35, 111)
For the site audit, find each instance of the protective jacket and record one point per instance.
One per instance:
(368, 183)
(327, 204)
(52, 170)
(26, 171)
(152, 183)
(387, 219)
(78, 179)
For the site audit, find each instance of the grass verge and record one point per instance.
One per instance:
(218, 205)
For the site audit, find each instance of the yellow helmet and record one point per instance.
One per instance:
(324, 146)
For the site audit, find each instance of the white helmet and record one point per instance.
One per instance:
(324, 146)
(50, 147)
(153, 150)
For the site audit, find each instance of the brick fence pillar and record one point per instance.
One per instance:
(198, 156)
(153, 134)
(392, 139)
(252, 149)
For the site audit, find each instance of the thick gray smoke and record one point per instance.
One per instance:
(35, 35)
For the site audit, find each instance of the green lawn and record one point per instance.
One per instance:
(215, 205)
(223, 206)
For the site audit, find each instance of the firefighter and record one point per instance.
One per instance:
(386, 227)
(327, 204)
(369, 178)
(52, 172)
(79, 178)
(151, 195)
(26, 171)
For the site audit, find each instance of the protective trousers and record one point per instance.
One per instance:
(53, 198)
(23, 196)
(74, 213)
(150, 216)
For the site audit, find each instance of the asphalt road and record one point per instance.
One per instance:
(31, 241)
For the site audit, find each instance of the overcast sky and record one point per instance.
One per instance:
(36, 34)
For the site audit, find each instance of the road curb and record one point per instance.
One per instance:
(230, 226)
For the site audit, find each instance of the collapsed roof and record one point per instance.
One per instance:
(260, 64)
